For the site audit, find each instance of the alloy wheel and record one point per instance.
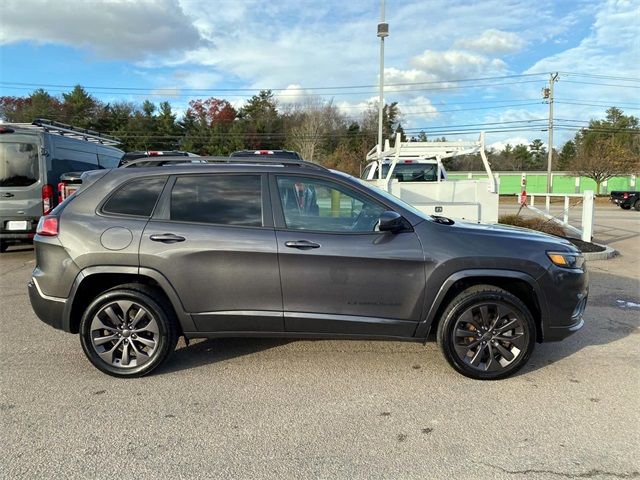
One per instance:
(124, 334)
(489, 337)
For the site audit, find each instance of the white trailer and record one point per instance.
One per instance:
(470, 200)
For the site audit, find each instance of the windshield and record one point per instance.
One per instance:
(412, 172)
(19, 166)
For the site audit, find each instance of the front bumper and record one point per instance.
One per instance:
(566, 292)
(48, 309)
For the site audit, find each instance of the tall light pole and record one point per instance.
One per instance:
(383, 31)
(548, 94)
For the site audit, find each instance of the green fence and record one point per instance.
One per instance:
(563, 182)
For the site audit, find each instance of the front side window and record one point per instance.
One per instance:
(320, 205)
(19, 166)
(137, 197)
(219, 199)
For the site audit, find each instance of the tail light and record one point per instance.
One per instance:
(48, 226)
(60, 192)
(47, 199)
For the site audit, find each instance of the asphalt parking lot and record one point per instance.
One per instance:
(255, 408)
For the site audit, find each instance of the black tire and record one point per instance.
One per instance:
(3, 247)
(625, 206)
(637, 205)
(163, 334)
(511, 332)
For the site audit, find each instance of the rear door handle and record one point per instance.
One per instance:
(302, 244)
(8, 195)
(167, 238)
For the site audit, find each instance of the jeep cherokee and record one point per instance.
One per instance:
(286, 248)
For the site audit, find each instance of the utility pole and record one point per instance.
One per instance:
(383, 31)
(548, 94)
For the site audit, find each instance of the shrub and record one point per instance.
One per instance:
(536, 223)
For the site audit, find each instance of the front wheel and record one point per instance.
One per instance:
(486, 333)
(128, 331)
(625, 206)
(637, 205)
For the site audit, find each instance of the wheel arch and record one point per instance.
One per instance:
(92, 281)
(517, 283)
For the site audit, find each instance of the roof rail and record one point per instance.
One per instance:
(75, 132)
(156, 162)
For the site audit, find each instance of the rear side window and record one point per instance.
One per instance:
(137, 197)
(218, 199)
(19, 166)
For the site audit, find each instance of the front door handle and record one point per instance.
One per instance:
(8, 195)
(302, 244)
(167, 238)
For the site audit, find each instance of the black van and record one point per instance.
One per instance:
(32, 159)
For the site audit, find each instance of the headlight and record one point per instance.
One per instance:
(566, 259)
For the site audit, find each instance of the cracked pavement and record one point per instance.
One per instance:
(268, 408)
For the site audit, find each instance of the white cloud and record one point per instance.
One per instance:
(492, 41)
(611, 48)
(197, 80)
(457, 64)
(513, 141)
(167, 92)
(123, 29)
(293, 94)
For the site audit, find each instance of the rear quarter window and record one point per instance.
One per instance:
(137, 197)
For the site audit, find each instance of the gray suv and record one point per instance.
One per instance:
(286, 248)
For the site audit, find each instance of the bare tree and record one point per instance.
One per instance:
(602, 159)
(312, 122)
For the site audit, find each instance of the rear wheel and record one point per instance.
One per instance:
(486, 333)
(637, 205)
(625, 206)
(3, 247)
(128, 331)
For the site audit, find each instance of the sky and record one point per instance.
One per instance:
(453, 66)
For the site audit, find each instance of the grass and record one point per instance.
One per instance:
(539, 224)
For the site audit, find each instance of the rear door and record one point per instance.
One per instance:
(212, 237)
(340, 275)
(21, 169)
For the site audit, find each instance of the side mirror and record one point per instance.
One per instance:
(391, 222)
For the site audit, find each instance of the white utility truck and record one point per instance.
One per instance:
(413, 172)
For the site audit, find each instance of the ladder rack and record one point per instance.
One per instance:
(75, 132)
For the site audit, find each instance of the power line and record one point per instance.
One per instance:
(332, 94)
(591, 105)
(341, 87)
(608, 77)
(601, 84)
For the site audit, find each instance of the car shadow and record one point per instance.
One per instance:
(606, 321)
(19, 248)
(207, 351)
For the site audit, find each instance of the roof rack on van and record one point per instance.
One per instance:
(76, 132)
(156, 162)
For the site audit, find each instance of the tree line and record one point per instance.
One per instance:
(316, 128)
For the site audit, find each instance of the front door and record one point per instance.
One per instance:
(213, 239)
(340, 275)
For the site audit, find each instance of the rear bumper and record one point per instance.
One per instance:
(48, 309)
(18, 236)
